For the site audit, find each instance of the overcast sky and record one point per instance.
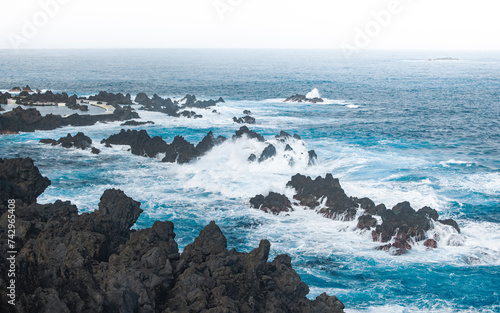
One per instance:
(310, 24)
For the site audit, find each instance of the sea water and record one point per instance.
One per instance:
(394, 127)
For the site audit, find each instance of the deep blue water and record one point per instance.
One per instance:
(395, 127)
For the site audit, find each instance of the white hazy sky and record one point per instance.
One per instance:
(314, 24)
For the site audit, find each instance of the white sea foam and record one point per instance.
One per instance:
(313, 94)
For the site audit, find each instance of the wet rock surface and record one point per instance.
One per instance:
(302, 98)
(310, 192)
(401, 226)
(244, 120)
(30, 120)
(93, 262)
(274, 203)
(79, 141)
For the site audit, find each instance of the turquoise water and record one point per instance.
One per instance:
(394, 127)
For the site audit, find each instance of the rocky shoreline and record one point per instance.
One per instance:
(93, 262)
(401, 226)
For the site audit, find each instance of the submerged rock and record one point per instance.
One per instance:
(93, 262)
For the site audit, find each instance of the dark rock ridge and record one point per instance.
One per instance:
(244, 120)
(302, 98)
(4, 97)
(179, 150)
(136, 123)
(93, 262)
(111, 98)
(1, 109)
(274, 203)
(172, 108)
(244, 131)
(79, 141)
(30, 120)
(311, 193)
(401, 226)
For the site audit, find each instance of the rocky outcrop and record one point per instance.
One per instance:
(269, 152)
(93, 262)
(136, 123)
(244, 131)
(20, 179)
(1, 109)
(79, 141)
(190, 114)
(139, 141)
(244, 120)
(112, 99)
(302, 98)
(191, 102)
(30, 120)
(172, 108)
(311, 193)
(274, 203)
(179, 151)
(4, 97)
(401, 226)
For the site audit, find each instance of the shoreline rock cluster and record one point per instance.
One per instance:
(302, 98)
(401, 226)
(79, 141)
(181, 151)
(30, 120)
(93, 262)
(174, 107)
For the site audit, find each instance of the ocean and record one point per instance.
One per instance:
(394, 127)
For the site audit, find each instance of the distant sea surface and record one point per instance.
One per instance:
(394, 127)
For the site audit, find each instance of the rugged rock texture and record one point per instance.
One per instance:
(249, 133)
(169, 107)
(244, 120)
(139, 141)
(310, 193)
(20, 120)
(269, 152)
(111, 98)
(4, 97)
(180, 150)
(401, 226)
(79, 141)
(95, 263)
(302, 98)
(136, 123)
(21, 180)
(274, 203)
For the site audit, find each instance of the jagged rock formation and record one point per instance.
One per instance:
(21, 120)
(302, 98)
(79, 141)
(93, 262)
(401, 226)
(136, 123)
(274, 203)
(311, 193)
(4, 97)
(172, 108)
(111, 98)
(244, 120)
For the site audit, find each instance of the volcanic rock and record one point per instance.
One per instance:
(311, 192)
(249, 133)
(274, 203)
